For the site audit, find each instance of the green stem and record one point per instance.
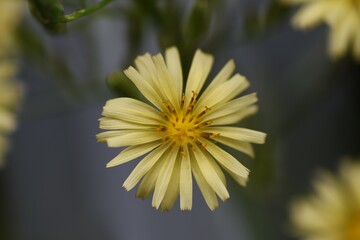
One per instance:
(86, 11)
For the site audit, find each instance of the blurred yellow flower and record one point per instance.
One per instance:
(10, 15)
(177, 132)
(10, 90)
(342, 16)
(333, 211)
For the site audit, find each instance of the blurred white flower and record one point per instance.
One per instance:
(179, 130)
(332, 212)
(343, 18)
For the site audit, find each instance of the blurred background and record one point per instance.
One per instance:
(55, 185)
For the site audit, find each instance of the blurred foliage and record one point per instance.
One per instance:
(260, 22)
(50, 13)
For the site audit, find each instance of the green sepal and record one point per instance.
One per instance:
(50, 13)
(121, 85)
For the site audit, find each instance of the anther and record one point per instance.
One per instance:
(182, 152)
(204, 111)
(165, 116)
(208, 123)
(214, 135)
(161, 129)
(192, 147)
(182, 100)
(169, 106)
(201, 144)
(206, 135)
(203, 124)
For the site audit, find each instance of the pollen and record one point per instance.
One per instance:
(182, 125)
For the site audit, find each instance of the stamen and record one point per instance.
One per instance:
(209, 135)
(214, 135)
(165, 116)
(182, 152)
(192, 147)
(169, 106)
(191, 103)
(205, 134)
(201, 143)
(182, 100)
(161, 129)
(204, 111)
(203, 124)
(193, 98)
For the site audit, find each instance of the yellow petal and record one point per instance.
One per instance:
(210, 175)
(207, 192)
(144, 87)
(235, 117)
(220, 78)
(7, 121)
(232, 107)
(164, 178)
(199, 70)
(342, 33)
(223, 93)
(311, 14)
(240, 134)
(350, 174)
(147, 184)
(173, 64)
(165, 82)
(108, 123)
(151, 73)
(132, 152)
(132, 110)
(186, 182)
(172, 191)
(144, 166)
(241, 146)
(226, 160)
(133, 138)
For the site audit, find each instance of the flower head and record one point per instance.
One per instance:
(333, 210)
(178, 131)
(343, 17)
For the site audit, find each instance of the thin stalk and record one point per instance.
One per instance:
(86, 11)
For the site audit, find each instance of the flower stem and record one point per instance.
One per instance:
(86, 11)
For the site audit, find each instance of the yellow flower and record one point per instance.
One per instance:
(10, 15)
(333, 211)
(10, 90)
(178, 131)
(342, 16)
(10, 96)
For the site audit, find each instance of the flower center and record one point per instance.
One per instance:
(183, 126)
(183, 129)
(352, 231)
